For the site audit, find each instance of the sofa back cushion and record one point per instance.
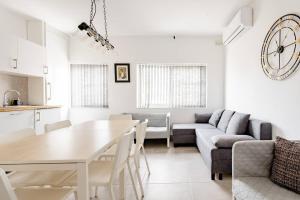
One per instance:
(155, 120)
(238, 124)
(202, 118)
(224, 121)
(215, 117)
(286, 164)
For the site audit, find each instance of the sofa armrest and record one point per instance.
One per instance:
(260, 130)
(252, 158)
(227, 141)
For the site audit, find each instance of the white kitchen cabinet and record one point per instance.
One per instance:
(17, 120)
(21, 57)
(31, 58)
(8, 53)
(45, 116)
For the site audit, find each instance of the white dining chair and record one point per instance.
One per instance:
(104, 172)
(135, 151)
(57, 125)
(8, 193)
(20, 179)
(120, 117)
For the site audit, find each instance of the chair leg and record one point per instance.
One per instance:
(111, 192)
(96, 192)
(213, 176)
(91, 192)
(146, 160)
(139, 177)
(220, 177)
(75, 195)
(168, 142)
(132, 180)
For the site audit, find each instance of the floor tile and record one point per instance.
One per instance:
(176, 174)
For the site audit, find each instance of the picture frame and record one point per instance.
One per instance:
(122, 72)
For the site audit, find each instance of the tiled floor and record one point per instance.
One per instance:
(176, 174)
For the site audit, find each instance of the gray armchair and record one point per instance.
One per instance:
(158, 125)
(251, 167)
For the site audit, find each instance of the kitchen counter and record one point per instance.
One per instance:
(25, 107)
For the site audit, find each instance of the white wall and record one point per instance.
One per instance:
(138, 49)
(14, 23)
(248, 89)
(8, 82)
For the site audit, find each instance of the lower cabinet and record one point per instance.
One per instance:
(35, 119)
(17, 120)
(45, 116)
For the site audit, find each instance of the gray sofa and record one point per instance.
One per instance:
(214, 144)
(158, 125)
(252, 161)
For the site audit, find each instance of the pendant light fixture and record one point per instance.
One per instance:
(90, 29)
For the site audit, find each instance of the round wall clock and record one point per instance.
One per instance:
(280, 55)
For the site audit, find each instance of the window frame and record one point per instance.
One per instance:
(106, 88)
(171, 65)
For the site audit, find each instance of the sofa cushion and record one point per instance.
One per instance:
(286, 164)
(215, 117)
(192, 126)
(157, 129)
(156, 132)
(206, 134)
(224, 121)
(155, 120)
(202, 118)
(260, 188)
(227, 141)
(238, 124)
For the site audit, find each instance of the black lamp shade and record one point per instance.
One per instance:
(83, 26)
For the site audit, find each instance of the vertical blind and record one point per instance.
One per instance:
(89, 85)
(171, 85)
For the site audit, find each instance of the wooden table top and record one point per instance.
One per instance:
(25, 107)
(78, 143)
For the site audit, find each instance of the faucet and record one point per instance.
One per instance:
(5, 103)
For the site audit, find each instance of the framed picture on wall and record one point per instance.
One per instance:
(122, 72)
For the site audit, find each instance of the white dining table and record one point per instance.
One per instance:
(71, 148)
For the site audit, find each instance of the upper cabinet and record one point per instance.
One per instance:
(31, 58)
(19, 56)
(8, 53)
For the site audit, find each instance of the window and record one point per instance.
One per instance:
(171, 86)
(89, 85)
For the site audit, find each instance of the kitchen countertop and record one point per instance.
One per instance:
(25, 107)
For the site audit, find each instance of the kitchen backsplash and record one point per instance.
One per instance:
(8, 82)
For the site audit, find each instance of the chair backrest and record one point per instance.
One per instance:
(120, 117)
(122, 153)
(140, 135)
(57, 125)
(15, 136)
(6, 191)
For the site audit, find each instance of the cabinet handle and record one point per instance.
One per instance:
(50, 91)
(45, 69)
(19, 113)
(16, 63)
(39, 118)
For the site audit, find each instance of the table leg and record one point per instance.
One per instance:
(82, 181)
(122, 185)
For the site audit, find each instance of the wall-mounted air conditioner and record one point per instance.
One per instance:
(241, 22)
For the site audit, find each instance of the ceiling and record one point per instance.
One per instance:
(135, 17)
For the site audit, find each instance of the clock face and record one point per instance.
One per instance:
(280, 55)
